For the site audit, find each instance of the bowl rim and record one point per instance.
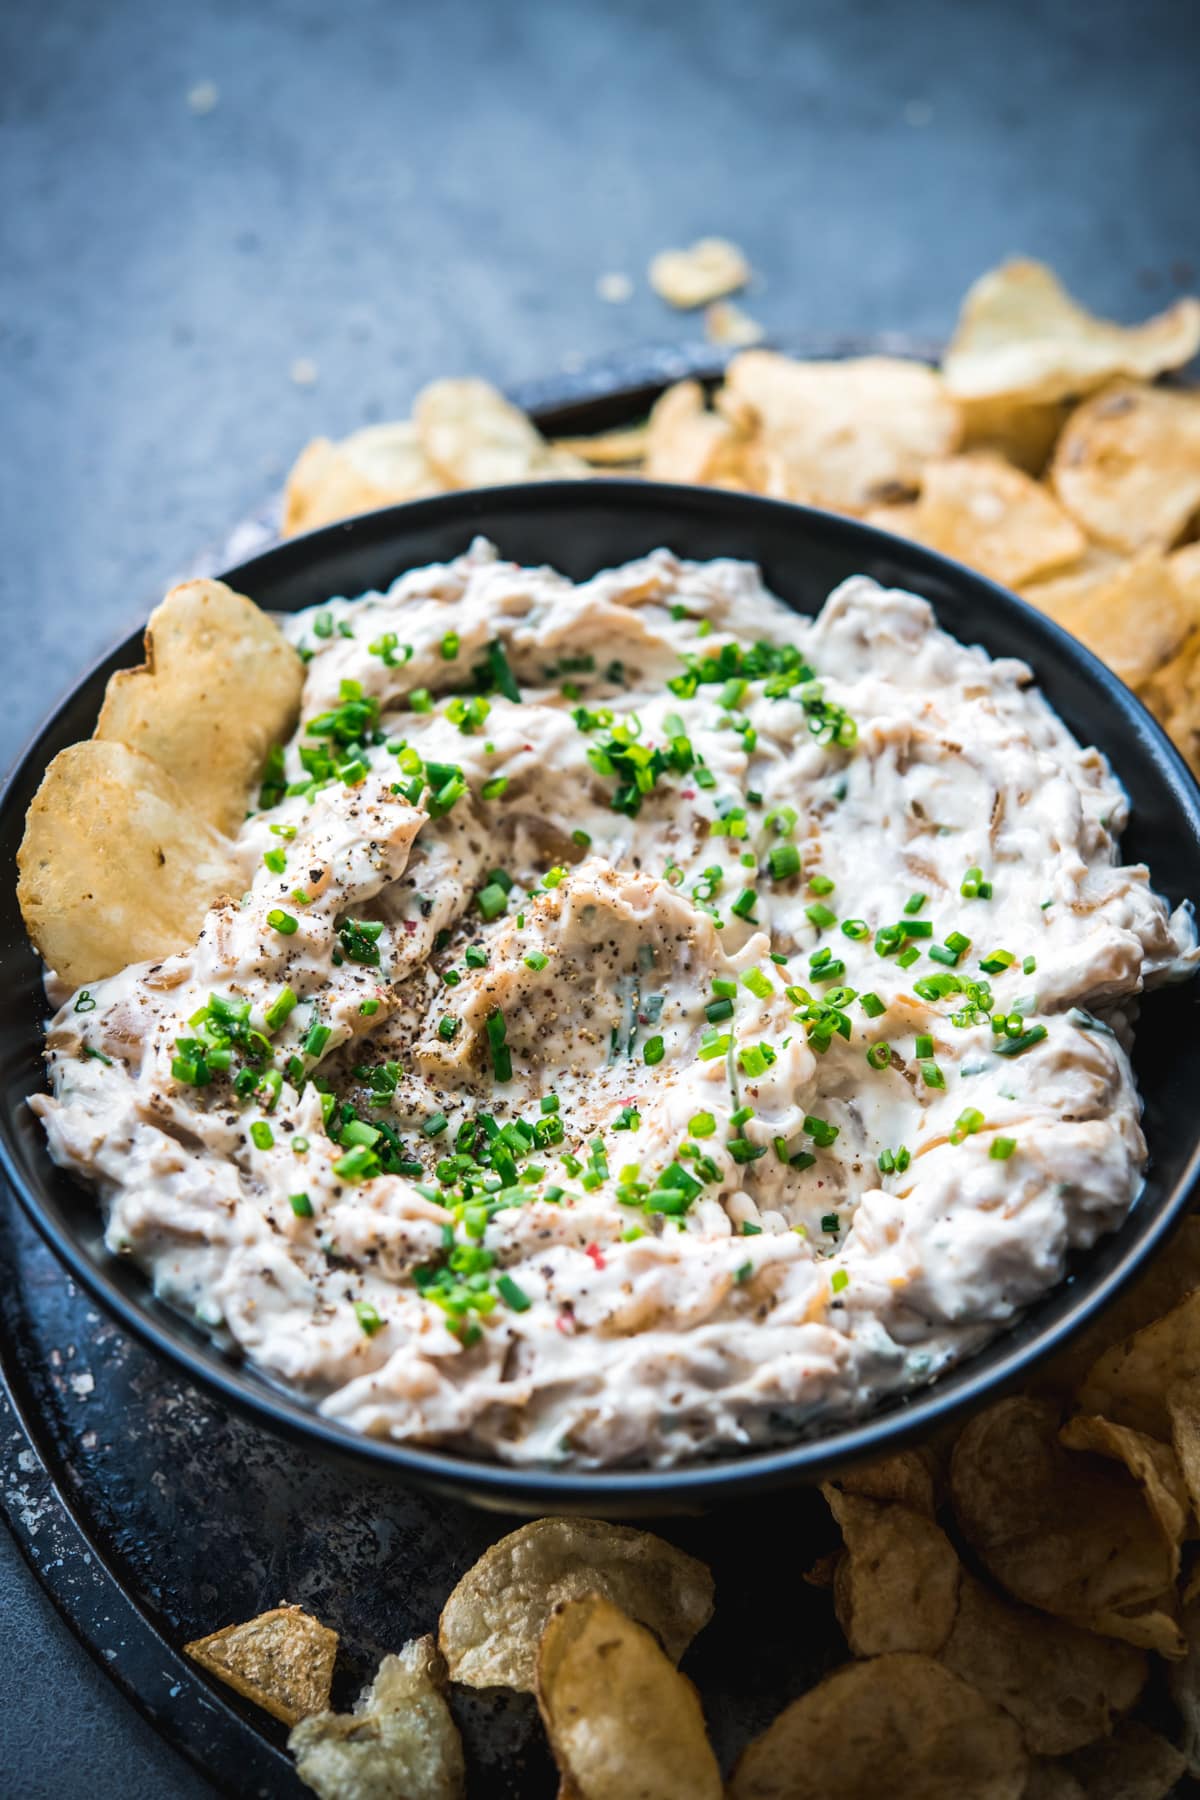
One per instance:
(919, 1412)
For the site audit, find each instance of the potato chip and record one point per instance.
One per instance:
(1131, 614)
(219, 686)
(115, 866)
(399, 1743)
(473, 437)
(623, 1723)
(684, 440)
(1127, 466)
(725, 323)
(1063, 1685)
(608, 449)
(380, 465)
(283, 1661)
(492, 1622)
(1184, 565)
(1183, 1679)
(907, 1476)
(1022, 432)
(1173, 695)
(1021, 336)
(899, 1725)
(896, 1586)
(1070, 1534)
(1153, 1466)
(847, 434)
(1130, 1382)
(1135, 1763)
(1183, 1409)
(1051, 1781)
(707, 270)
(1168, 1277)
(984, 512)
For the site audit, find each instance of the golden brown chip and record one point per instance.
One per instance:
(845, 434)
(684, 440)
(1169, 1276)
(1184, 565)
(115, 866)
(984, 512)
(283, 1661)
(725, 323)
(1173, 695)
(899, 1725)
(608, 449)
(1061, 1684)
(1022, 432)
(1051, 1781)
(896, 1586)
(219, 686)
(399, 1743)
(1183, 1678)
(708, 269)
(1131, 614)
(473, 437)
(1153, 1466)
(1127, 466)
(907, 1476)
(623, 1723)
(1183, 1409)
(492, 1622)
(1021, 336)
(1135, 1763)
(1129, 1383)
(380, 465)
(1069, 1534)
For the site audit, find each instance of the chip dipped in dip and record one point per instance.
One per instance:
(654, 1023)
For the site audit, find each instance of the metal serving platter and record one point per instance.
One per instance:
(152, 1515)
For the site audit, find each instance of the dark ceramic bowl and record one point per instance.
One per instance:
(581, 527)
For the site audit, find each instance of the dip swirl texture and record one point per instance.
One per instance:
(654, 1024)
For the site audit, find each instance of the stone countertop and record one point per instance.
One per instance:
(229, 228)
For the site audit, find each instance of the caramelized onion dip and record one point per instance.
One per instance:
(655, 1023)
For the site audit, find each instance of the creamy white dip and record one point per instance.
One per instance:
(648, 1144)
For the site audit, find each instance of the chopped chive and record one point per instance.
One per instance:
(967, 1123)
(856, 929)
(760, 985)
(261, 1135)
(367, 1317)
(536, 960)
(275, 860)
(1002, 1148)
(839, 1280)
(493, 789)
(653, 1050)
(434, 1125)
(872, 1005)
(997, 961)
(914, 903)
(783, 860)
(282, 922)
(1016, 1046)
(548, 1103)
(716, 1010)
(744, 905)
(820, 916)
(821, 884)
(420, 701)
(280, 1007)
(880, 1055)
(702, 1124)
(513, 1294)
(820, 1131)
(447, 1028)
(491, 900)
(301, 1205)
(1029, 966)
(497, 1031)
(475, 956)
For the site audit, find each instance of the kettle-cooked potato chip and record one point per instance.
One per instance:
(283, 1661)
(1022, 432)
(896, 1584)
(608, 449)
(1183, 1679)
(473, 437)
(1131, 614)
(1050, 1780)
(1129, 1383)
(899, 1725)
(491, 1624)
(981, 510)
(115, 865)
(1135, 1763)
(399, 1743)
(1021, 336)
(684, 440)
(1127, 465)
(1067, 1533)
(623, 1723)
(907, 1476)
(1062, 1684)
(848, 434)
(1184, 565)
(707, 270)
(1153, 1466)
(380, 465)
(1183, 1408)
(219, 686)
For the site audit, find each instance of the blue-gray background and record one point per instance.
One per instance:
(392, 192)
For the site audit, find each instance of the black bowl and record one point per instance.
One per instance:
(580, 527)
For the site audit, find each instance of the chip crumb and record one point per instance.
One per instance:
(918, 114)
(726, 323)
(303, 372)
(615, 288)
(202, 98)
(709, 269)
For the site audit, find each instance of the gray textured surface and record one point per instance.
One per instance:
(396, 191)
